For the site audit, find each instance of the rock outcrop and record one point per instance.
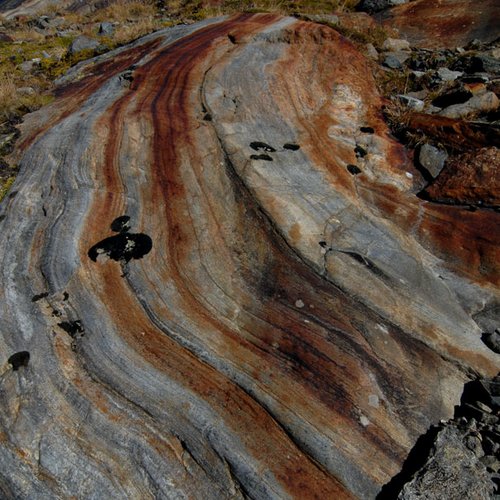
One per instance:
(447, 23)
(459, 456)
(218, 280)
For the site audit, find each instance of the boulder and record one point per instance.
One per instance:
(395, 44)
(81, 43)
(29, 66)
(482, 103)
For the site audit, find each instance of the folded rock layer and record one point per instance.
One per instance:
(218, 279)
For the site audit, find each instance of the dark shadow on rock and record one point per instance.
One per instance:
(19, 359)
(416, 459)
(262, 146)
(124, 246)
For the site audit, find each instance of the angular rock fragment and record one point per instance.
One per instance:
(432, 159)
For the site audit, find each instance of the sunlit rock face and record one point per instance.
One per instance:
(218, 280)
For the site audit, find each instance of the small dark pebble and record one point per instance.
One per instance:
(291, 147)
(353, 169)
(367, 130)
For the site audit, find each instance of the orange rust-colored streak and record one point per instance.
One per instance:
(72, 96)
(446, 23)
(459, 134)
(175, 68)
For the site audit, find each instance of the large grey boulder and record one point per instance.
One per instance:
(81, 43)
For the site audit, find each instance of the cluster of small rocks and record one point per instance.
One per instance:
(461, 84)
(453, 83)
(464, 454)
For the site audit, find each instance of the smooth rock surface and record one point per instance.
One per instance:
(200, 299)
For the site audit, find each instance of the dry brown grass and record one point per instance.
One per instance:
(27, 34)
(130, 31)
(127, 10)
(8, 95)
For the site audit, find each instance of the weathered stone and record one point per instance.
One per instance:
(411, 102)
(451, 470)
(432, 159)
(474, 444)
(106, 29)
(481, 103)
(395, 44)
(371, 51)
(29, 66)
(81, 43)
(395, 60)
(447, 75)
